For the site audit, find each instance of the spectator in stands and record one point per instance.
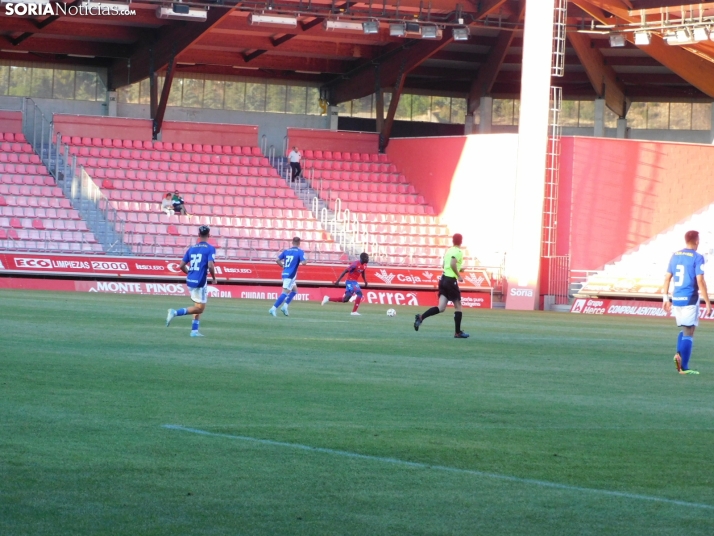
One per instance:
(179, 207)
(294, 158)
(167, 204)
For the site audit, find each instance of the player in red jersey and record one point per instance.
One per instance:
(353, 271)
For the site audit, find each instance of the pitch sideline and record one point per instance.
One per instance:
(395, 461)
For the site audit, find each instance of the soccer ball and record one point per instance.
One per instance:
(391, 312)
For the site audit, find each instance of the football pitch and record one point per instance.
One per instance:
(323, 423)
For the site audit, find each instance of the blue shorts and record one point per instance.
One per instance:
(352, 287)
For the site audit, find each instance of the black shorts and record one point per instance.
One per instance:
(449, 287)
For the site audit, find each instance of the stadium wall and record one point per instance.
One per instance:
(470, 182)
(212, 134)
(354, 142)
(102, 127)
(617, 194)
(10, 121)
(140, 129)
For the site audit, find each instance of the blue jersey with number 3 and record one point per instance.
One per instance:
(685, 266)
(196, 259)
(291, 260)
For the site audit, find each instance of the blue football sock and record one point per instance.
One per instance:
(679, 342)
(686, 351)
(280, 300)
(182, 312)
(194, 325)
(290, 297)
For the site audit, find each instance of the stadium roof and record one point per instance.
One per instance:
(353, 63)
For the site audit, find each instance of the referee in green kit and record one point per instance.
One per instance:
(449, 288)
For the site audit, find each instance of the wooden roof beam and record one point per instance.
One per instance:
(385, 72)
(482, 84)
(602, 77)
(103, 32)
(169, 42)
(487, 7)
(42, 45)
(696, 70)
(264, 61)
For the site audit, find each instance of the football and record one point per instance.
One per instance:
(391, 312)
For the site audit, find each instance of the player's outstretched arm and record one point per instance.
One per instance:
(666, 304)
(212, 270)
(704, 293)
(341, 276)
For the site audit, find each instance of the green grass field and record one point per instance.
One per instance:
(538, 424)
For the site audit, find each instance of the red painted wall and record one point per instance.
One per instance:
(10, 121)
(210, 133)
(102, 127)
(429, 164)
(624, 192)
(330, 140)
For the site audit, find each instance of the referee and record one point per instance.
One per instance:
(449, 288)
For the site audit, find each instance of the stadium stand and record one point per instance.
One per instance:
(252, 211)
(641, 270)
(386, 205)
(34, 214)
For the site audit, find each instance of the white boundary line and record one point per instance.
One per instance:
(395, 461)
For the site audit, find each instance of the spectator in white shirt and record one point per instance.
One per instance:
(294, 159)
(167, 205)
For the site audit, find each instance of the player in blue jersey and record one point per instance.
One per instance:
(352, 288)
(290, 260)
(196, 264)
(686, 268)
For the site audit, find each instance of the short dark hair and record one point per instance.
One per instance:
(296, 240)
(457, 239)
(691, 236)
(204, 230)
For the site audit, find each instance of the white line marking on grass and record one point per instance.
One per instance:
(309, 321)
(418, 465)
